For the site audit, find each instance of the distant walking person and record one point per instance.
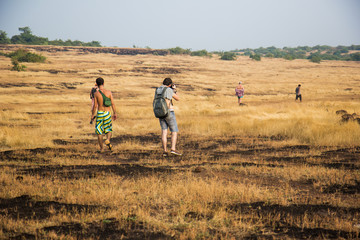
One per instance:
(239, 92)
(168, 91)
(298, 93)
(101, 110)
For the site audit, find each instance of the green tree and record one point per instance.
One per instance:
(315, 58)
(25, 30)
(179, 51)
(3, 38)
(355, 57)
(354, 47)
(289, 56)
(92, 44)
(26, 37)
(256, 57)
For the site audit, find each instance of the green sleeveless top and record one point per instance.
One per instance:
(106, 100)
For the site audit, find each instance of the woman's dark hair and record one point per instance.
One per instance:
(167, 81)
(99, 81)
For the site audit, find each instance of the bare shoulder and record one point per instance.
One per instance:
(97, 93)
(107, 93)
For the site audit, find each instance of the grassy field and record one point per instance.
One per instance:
(272, 168)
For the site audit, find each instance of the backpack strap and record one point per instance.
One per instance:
(162, 93)
(103, 95)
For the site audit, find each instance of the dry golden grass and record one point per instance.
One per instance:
(269, 97)
(244, 168)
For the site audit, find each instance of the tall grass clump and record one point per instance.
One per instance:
(302, 124)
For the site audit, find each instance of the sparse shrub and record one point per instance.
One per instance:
(201, 53)
(179, 51)
(23, 55)
(17, 66)
(228, 56)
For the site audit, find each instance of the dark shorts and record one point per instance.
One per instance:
(169, 122)
(298, 96)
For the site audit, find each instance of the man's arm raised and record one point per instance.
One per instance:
(176, 97)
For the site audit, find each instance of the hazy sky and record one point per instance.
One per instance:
(195, 24)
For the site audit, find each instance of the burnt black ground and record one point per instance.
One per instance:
(131, 164)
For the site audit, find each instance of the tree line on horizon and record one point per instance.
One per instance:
(314, 54)
(26, 37)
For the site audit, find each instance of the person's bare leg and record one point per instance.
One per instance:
(108, 136)
(100, 140)
(107, 141)
(173, 140)
(164, 139)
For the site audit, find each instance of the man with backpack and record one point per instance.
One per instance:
(101, 110)
(164, 110)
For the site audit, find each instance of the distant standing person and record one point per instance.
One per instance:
(239, 92)
(298, 93)
(169, 121)
(101, 110)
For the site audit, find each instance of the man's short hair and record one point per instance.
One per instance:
(99, 81)
(167, 81)
(299, 85)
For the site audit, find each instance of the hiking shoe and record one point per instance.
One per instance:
(108, 144)
(165, 154)
(175, 153)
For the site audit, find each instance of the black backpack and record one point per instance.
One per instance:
(160, 106)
